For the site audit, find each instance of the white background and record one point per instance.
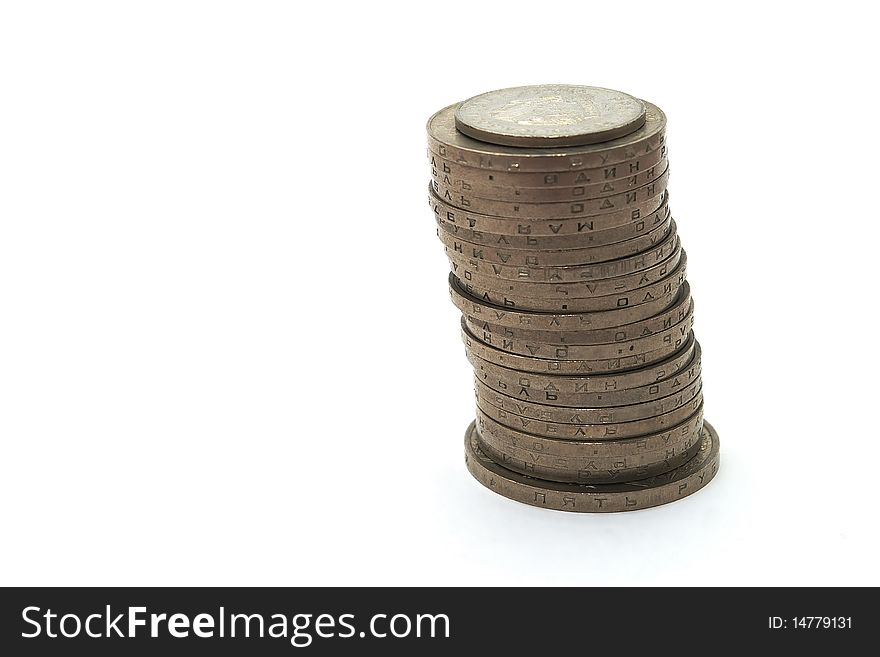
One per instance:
(227, 355)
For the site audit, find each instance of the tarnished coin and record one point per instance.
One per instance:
(582, 207)
(552, 194)
(541, 387)
(550, 115)
(588, 415)
(553, 394)
(607, 431)
(641, 494)
(569, 273)
(480, 310)
(673, 336)
(576, 240)
(482, 276)
(557, 301)
(586, 461)
(451, 144)
(452, 214)
(544, 257)
(658, 322)
(543, 179)
(672, 437)
(565, 366)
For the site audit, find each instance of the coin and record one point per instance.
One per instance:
(548, 194)
(545, 257)
(580, 235)
(445, 140)
(598, 294)
(523, 456)
(641, 494)
(499, 315)
(605, 431)
(452, 214)
(550, 115)
(561, 365)
(673, 336)
(603, 451)
(582, 207)
(544, 179)
(560, 302)
(584, 470)
(675, 313)
(573, 272)
(588, 415)
(503, 378)
(552, 393)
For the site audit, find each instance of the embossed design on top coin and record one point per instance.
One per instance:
(550, 115)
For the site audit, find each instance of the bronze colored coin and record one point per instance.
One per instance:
(572, 470)
(583, 207)
(492, 223)
(553, 194)
(675, 336)
(588, 415)
(572, 273)
(604, 451)
(474, 274)
(577, 240)
(521, 454)
(550, 115)
(564, 366)
(479, 310)
(676, 313)
(447, 142)
(609, 431)
(441, 167)
(542, 257)
(645, 493)
(552, 394)
(543, 386)
(668, 285)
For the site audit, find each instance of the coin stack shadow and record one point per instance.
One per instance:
(568, 269)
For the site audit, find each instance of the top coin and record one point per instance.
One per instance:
(550, 115)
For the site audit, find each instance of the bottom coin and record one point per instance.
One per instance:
(596, 498)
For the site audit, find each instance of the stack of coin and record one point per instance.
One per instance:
(568, 269)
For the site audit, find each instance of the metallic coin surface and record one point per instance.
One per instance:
(556, 299)
(574, 240)
(543, 179)
(553, 395)
(658, 322)
(480, 310)
(585, 469)
(445, 140)
(582, 207)
(617, 459)
(585, 498)
(450, 213)
(544, 257)
(549, 194)
(512, 382)
(675, 335)
(569, 273)
(550, 115)
(589, 415)
(608, 431)
(623, 363)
